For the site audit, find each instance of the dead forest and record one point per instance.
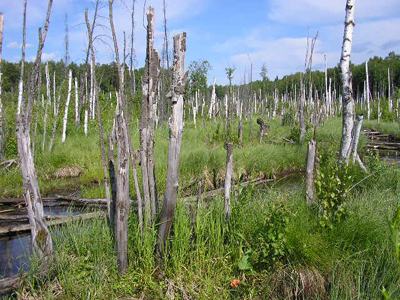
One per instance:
(267, 189)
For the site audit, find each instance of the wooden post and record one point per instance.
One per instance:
(175, 141)
(228, 180)
(310, 193)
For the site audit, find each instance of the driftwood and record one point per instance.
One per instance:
(57, 221)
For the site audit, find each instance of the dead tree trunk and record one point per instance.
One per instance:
(356, 138)
(367, 91)
(100, 124)
(40, 235)
(175, 141)
(65, 118)
(228, 180)
(264, 128)
(150, 86)
(122, 199)
(348, 100)
(310, 192)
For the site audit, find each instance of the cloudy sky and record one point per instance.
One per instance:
(226, 33)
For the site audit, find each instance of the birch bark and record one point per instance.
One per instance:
(348, 100)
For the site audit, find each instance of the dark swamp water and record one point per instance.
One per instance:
(15, 249)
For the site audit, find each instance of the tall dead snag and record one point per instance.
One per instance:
(264, 128)
(147, 118)
(310, 191)
(228, 180)
(65, 118)
(40, 236)
(2, 131)
(348, 100)
(122, 189)
(175, 141)
(99, 121)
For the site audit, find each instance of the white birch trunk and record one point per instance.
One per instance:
(85, 126)
(211, 111)
(348, 100)
(76, 102)
(367, 91)
(65, 119)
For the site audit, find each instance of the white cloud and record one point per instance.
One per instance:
(16, 45)
(48, 56)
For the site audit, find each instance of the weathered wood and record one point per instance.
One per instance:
(7, 285)
(310, 190)
(176, 131)
(65, 118)
(264, 128)
(58, 221)
(147, 118)
(356, 137)
(228, 180)
(40, 236)
(122, 183)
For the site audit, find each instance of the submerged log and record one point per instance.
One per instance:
(58, 221)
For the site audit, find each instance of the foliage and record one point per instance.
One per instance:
(332, 187)
(198, 71)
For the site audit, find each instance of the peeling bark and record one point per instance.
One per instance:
(176, 131)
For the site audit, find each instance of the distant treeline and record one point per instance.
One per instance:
(107, 76)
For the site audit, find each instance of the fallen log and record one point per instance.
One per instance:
(58, 221)
(26, 218)
(9, 284)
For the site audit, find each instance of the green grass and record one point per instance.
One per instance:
(202, 155)
(352, 261)
(392, 128)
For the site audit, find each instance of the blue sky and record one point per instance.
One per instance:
(226, 33)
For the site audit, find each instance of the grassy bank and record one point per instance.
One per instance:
(274, 245)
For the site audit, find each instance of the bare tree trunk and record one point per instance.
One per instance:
(122, 203)
(389, 93)
(150, 86)
(348, 100)
(175, 141)
(367, 91)
(100, 124)
(228, 180)
(40, 235)
(356, 137)
(48, 103)
(2, 129)
(76, 103)
(310, 192)
(55, 121)
(211, 110)
(263, 128)
(302, 120)
(65, 119)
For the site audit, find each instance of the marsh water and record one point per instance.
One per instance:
(15, 249)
